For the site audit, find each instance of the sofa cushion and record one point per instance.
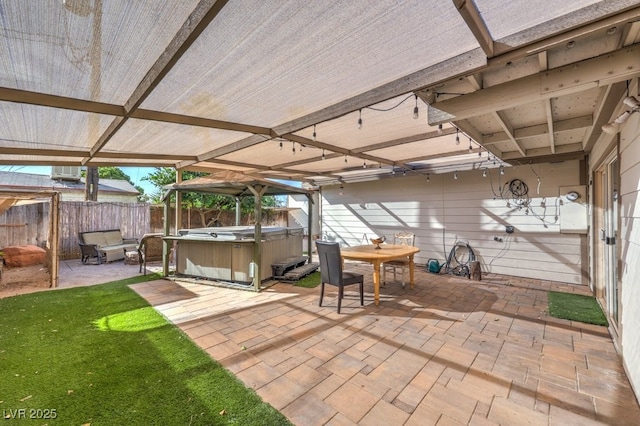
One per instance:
(95, 238)
(114, 238)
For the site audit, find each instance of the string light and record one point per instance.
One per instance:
(480, 151)
(440, 128)
(502, 170)
(360, 119)
(293, 149)
(428, 178)
(323, 157)
(484, 173)
(470, 146)
(345, 158)
(455, 175)
(364, 164)
(416, 114)
(314, 133)
(457, 134)
(280, 145)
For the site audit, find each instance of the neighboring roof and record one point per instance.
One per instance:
(234, 184)
(212, 85)
(34, 182)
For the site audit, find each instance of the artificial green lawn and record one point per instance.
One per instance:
(576, 307)
(101, 355)
(310, 281)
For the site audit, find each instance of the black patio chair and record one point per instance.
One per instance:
(331, 272)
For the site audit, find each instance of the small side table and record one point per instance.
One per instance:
(131, 257)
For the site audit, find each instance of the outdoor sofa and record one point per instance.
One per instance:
(105, 246)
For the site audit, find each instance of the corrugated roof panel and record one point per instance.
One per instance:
(142, 136)
(524, 14)
(267, 63)
(24, 125)
(97, 50)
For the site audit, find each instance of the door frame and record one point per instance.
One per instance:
(607, 283)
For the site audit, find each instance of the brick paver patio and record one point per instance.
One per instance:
(450, 351)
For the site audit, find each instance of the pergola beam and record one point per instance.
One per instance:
(618, 66)
(476, 24)
(196, 23)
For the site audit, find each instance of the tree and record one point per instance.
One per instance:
(118, 174)
(204, 203)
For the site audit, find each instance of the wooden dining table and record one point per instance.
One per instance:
(377, 256)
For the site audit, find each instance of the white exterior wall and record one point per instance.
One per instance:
(443, 210)
(630, 248)
(102, 197)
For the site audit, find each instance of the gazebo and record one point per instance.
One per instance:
(236, 185)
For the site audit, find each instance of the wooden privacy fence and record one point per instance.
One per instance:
(25, 225)
(81, 216)
(193, 218)
(29, 224)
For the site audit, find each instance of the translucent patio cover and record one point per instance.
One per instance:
(276, 88)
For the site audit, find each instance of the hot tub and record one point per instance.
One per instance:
(226, 253)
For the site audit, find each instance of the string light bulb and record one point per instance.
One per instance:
(345, 158)
(360, 119)
(293, 149)
(457, 134)
(364, 164)
(416, 113)
(470, 146)
(440, 128)
(455, 175)
(502, 170)
(484, 173)
(323, 157)
(314, 133)
(428, 178)
(280, 145)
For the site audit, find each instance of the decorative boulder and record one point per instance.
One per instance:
(16, 256)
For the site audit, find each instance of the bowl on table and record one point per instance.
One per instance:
(377, 241)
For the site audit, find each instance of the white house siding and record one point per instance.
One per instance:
(103, 197)
(630, 248)
(443, 210)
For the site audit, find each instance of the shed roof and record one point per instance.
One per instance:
(35, 182)
(235, 184)
(276, 89)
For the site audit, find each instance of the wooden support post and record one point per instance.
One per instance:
(167, 230)
(54, 239)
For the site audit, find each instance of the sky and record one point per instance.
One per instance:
(135, 173)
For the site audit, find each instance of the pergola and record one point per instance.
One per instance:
(278, 89)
